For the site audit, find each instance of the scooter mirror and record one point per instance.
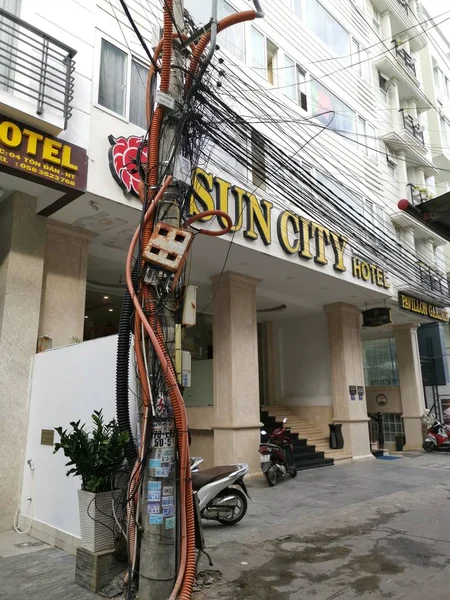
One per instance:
(284, 420)
(263, 432)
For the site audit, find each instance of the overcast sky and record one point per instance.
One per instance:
(438, 8)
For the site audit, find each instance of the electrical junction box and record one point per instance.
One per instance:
(186, 369)
(168, 247)
(190, 306)
(182, 170)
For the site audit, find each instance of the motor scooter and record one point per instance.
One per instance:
(277, 455)
(437, 438)
(218, 493)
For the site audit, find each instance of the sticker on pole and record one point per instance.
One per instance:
(156, 520)
(170, 523)
(153, 508)
(168, 511)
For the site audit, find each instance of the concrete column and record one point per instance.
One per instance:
(236, 383)
(268, 362)
(403, 177)
(344, 324)
(397, 114)
(64, 284)
(22, 243)
(409, 241)
(411, 389)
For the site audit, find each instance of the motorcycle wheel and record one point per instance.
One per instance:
(271, 475)
(428, 446)
(293, 472)
(241, 507)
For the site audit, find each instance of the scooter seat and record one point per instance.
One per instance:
(202, 478)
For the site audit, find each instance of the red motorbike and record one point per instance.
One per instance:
(437, 438)
(277, 455)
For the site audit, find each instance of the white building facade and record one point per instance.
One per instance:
(279, 301)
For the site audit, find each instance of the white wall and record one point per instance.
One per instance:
(67, 384)
(301, 349)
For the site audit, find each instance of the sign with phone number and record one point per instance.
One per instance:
(39, 157)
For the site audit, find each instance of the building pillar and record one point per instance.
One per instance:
(344, 324)
(64, 283)
(411, 389)
(236, 421)
(268, 364)
(22, 243)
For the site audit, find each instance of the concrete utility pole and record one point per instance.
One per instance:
(160, 543)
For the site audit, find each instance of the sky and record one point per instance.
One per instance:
(436, 8)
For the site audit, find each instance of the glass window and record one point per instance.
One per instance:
(231, 39)
(392, 426)
(380, 362)
(323, 100)
(297, 7)
(113, 69)
(290, 75)
(259, 166)
(258, 52)
(199, 11)
(271, 53)
(138, 94)
(330, 31)
(371, 141)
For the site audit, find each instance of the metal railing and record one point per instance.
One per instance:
(36, 66)
(417, 194)
(406, 59)
(413, 127)
(432, 280)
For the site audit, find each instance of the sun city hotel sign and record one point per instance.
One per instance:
(296, 234)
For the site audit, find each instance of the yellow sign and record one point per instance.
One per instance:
(39, 156)
(296, 234)
(420, 307)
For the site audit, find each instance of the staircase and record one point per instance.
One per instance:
(311, 447)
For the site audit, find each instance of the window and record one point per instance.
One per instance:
(123, 84)
(343, 119)
(139, 75)
(259, 166)
(445, 131)
(391, 159)
(369, 215)
(231, 39)
(384, 83)
(113, 78)
(380, 362)
(367, 139)
(392, 426)
(376, 20)
(330, 31)
(264, 55)
(297, 8)
(359, 60)
(294, 83)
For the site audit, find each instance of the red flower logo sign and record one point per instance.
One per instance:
(123, 162)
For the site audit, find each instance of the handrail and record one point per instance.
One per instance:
(4, 13)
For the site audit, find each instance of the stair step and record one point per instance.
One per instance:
(327, 462)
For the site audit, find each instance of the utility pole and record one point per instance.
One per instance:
(160, 540)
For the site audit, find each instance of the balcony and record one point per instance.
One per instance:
(399, 65)
(418, 194)
(432, 281)
(408, 138)
(36, 75)
(404, 21)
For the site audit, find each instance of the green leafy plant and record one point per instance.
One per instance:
(75, 340)
(94, 456)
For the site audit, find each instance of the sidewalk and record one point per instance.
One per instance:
(378, 529)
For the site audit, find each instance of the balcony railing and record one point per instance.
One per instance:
(36, 66)
(418, 194)
(413, 127)
(431, 280)
(406, 59)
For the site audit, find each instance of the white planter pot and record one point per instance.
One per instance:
(96, 520)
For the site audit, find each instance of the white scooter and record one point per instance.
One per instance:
(219, 498)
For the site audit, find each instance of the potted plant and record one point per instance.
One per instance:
(95, 456)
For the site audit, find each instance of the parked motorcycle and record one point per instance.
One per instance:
(277, 455)
(218, 493)
(437, 438)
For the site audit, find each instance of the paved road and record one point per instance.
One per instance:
(375, 530)
(378, 529)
